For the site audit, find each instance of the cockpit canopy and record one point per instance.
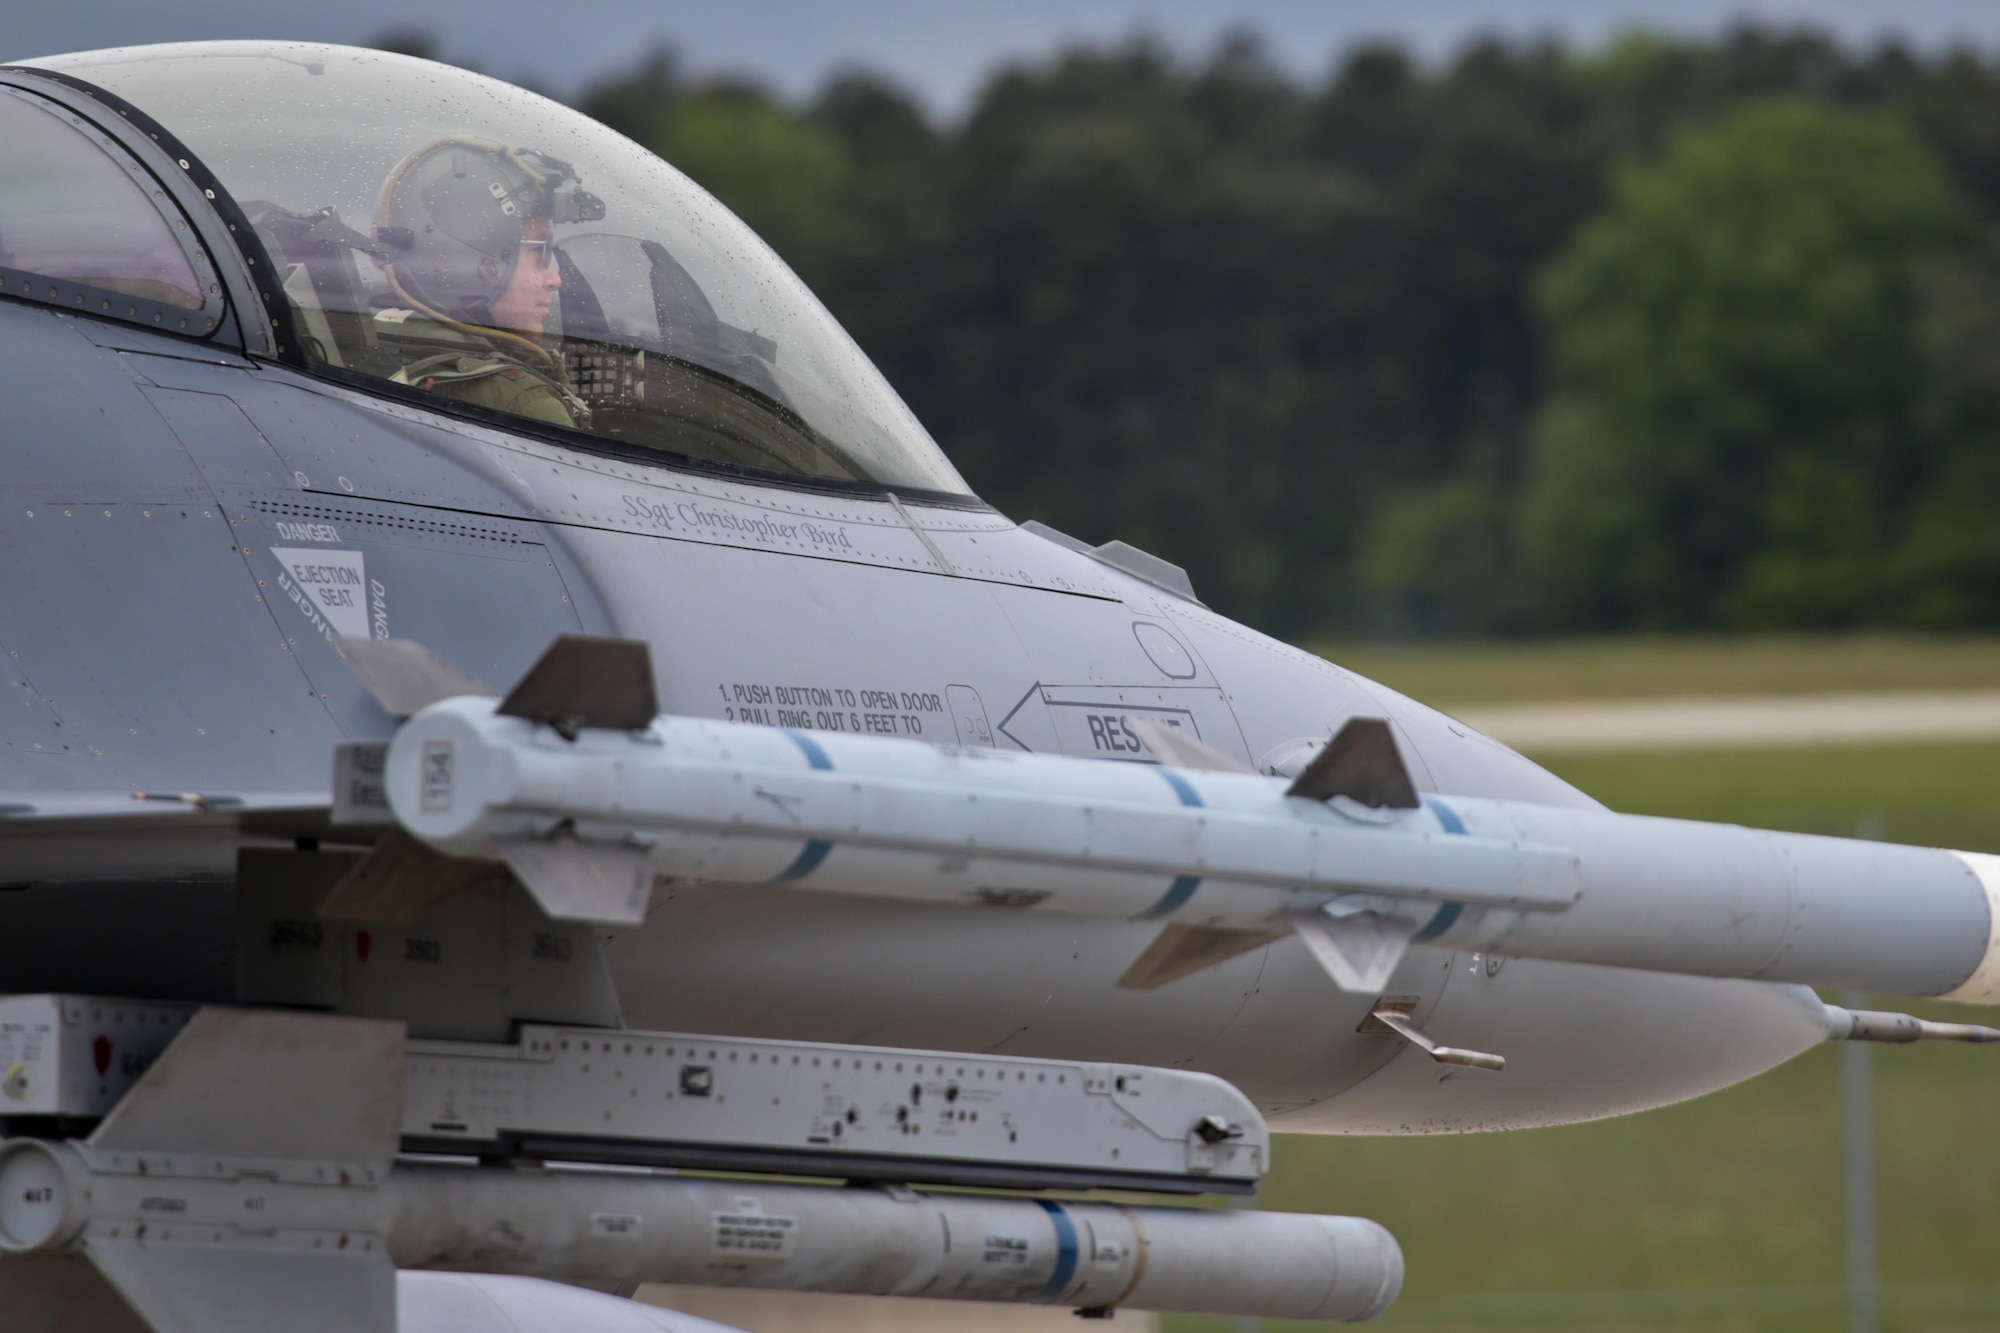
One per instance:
(455, 234)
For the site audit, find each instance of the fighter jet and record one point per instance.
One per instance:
(509, 716)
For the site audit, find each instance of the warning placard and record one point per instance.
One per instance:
(754, 1236)
(329, 586)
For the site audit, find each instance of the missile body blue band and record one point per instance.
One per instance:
(1447, 914)
(1439, 924)
(1182, 787)
(808, 861)
(1445, 815)
(1065, 1250)
(817, 756)
(1183, 886)
(1173, 899)
(815, 851)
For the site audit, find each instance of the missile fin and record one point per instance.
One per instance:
(55, 1293)
(268, 1084)
(1360, 950)
(404, 676)
(587, 681)
(1180, 749)
(1362, 763)
(282, 1092)
(1179, 951)
(401, 878)
(574, 880)
(197, 1289)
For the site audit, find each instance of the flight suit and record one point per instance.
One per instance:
(488, 378)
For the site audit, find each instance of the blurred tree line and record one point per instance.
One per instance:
(1665, 335)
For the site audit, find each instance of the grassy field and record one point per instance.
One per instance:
(1638, 668)
(1723, 1213)
(1933, 795)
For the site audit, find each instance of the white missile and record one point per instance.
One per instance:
(1089, 1256)
(598, 1226)
(1347, 855)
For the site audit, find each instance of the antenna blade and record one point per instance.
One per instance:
(1362, 764)
(1392, 1014)
(587, 681)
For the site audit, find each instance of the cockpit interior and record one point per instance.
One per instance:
(452, 238)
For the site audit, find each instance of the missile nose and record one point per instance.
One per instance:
(441, 773)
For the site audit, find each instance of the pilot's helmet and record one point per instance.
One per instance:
(451, 216)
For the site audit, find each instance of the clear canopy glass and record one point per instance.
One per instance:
(69, 211)
(487, 245)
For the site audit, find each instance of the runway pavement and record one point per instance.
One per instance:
(1745, 722)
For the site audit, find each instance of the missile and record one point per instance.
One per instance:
(623, 1227)
(1346, 856)
(261, 1166)
(895, 1242)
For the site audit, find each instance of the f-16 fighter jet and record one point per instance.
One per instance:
(519, 751)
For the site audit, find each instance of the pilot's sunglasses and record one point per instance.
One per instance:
(543, 253)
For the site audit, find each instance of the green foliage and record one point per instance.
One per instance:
(1446, 550)
(775, 169)
(1739, 381)
(778, 172)
(1669, 333)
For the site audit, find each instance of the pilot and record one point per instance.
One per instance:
(469, 230)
